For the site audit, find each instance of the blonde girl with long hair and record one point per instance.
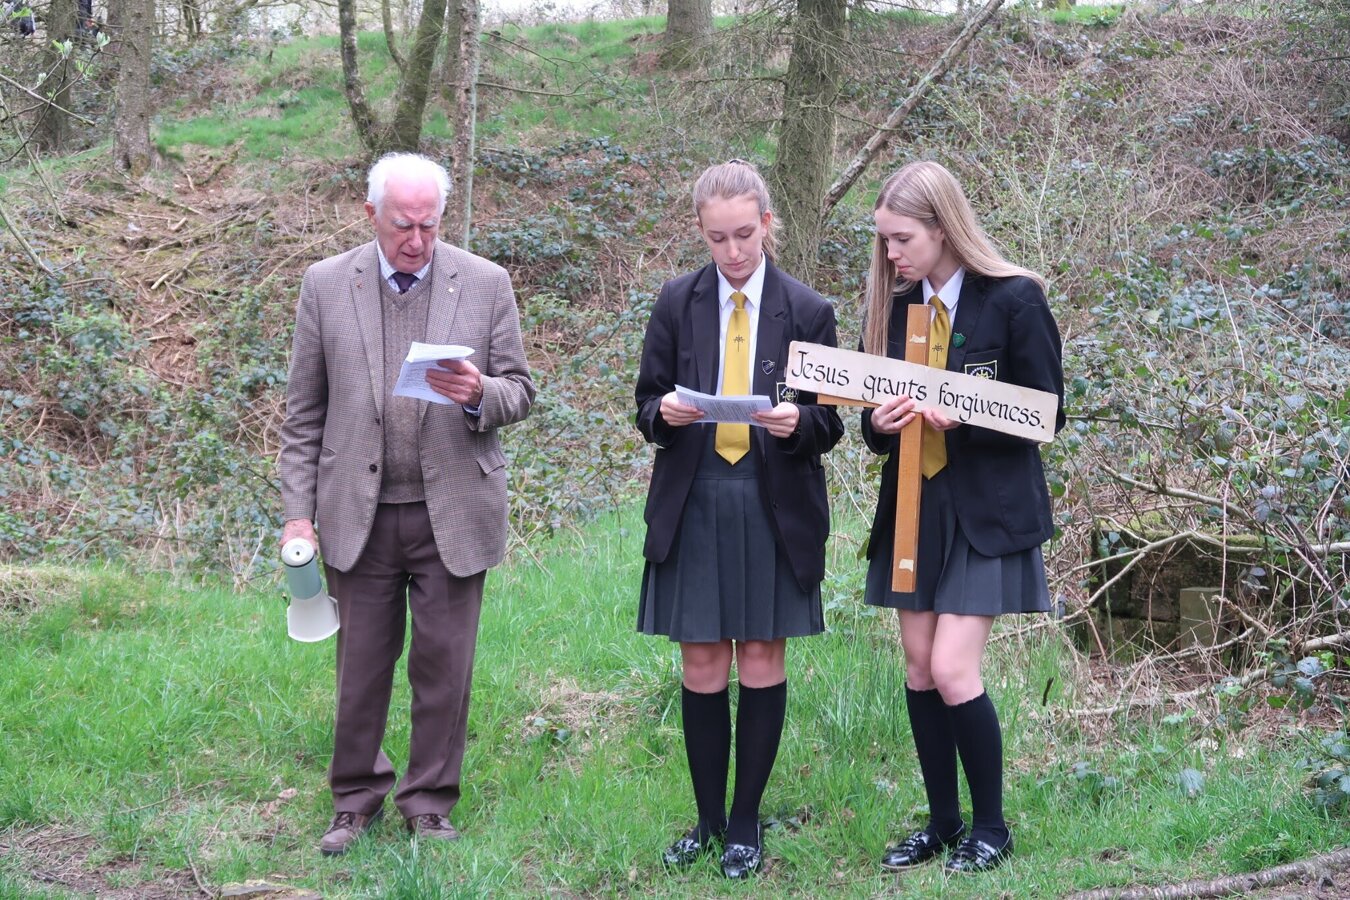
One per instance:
(985, 507)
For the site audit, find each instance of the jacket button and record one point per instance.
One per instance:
(377, 420)
(374, 468)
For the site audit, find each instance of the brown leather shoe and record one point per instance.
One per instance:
(432, 827)
(347, 827)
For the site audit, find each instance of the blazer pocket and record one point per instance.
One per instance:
(491, 459)
(984, 364)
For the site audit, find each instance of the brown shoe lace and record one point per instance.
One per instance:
(342, 820)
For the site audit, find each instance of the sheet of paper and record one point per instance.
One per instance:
(412, 377)
(716, 408)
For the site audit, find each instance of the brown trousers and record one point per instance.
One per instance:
(399, 570)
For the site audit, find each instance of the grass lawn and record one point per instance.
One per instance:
(147, 728)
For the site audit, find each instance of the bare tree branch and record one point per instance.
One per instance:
(882, 137)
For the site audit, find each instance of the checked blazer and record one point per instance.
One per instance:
(331, 459)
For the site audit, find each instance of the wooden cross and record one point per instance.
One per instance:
(909, 484)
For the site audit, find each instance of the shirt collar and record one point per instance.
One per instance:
(387, 271)
(951, 291)
(754, 287)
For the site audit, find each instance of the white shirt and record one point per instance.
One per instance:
(950, 293)
(754, 292)
(387, 271)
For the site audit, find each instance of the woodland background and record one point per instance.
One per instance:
(1180, 172)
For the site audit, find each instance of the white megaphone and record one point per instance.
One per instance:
(312, 615)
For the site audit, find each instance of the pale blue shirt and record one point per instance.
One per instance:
(754, 292)
(387, 271)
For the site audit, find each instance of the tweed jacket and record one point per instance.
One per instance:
(332, 451)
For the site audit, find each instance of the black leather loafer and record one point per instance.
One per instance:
(917, 849)
(977, 856)
(742, 860)
(687, 850)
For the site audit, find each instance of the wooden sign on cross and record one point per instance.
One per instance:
(909, 484)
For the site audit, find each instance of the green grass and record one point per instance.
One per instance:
(1091, 16)
(163, 718)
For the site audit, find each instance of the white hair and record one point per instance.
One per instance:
(410, 165)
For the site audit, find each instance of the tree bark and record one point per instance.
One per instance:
(459, 217)
(406, 131)
(689, 31)
(132, 150)
(387, 19)
(53, 127)
(801, 169)
(449, 74)
(362, 118)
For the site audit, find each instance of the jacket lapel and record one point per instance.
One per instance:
(707, 330)
(968, 310)
(366, 299)
(769, 338)
(443, 304)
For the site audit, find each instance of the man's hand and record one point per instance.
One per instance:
(780, 421)
(676, 413)
(298, 528)
(459, 380)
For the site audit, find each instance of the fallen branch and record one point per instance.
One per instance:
(27, 249)
(882, 136)
(1318, 867)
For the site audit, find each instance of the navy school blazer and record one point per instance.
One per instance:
(1002, 502)
(682, 347)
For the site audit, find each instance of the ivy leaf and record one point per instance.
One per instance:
(1191, 781)
(1311, 666)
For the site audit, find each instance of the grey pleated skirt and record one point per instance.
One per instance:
(726, 578)
(953, 577)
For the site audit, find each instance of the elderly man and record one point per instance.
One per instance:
(410, 496)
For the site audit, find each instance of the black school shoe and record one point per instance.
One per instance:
(688, 849)
(917, 849)
(977, 856)
(742, 860)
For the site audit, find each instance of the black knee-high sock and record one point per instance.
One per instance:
(980, 742)
(707, 745)
(936, 748)
(759, 727)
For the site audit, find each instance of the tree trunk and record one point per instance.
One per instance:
(801, 171)
(131, 124)
(689, 31)
(387, 19)
(406, 131)
(459, 217)
(449, 75)
(53, 123)
(192, 18)
(367, 129)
